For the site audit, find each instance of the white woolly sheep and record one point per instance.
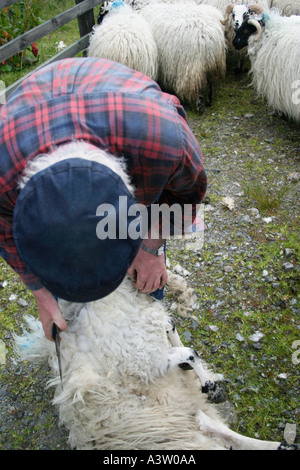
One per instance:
(274, 50)
(191, 48)
(125, 37)
(286, 7)
(122, 387)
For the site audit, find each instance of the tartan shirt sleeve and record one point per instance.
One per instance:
(187, 185)
(8, 250)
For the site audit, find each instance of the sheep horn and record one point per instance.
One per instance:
(227, 14)
(258, 27)
(255, 9)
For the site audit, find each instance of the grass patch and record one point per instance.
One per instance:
(266, 199)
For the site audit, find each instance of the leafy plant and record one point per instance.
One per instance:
(16, 20)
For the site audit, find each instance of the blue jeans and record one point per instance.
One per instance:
(159, 293)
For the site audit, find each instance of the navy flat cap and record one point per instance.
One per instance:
(55, 229)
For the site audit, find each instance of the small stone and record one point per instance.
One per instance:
(268, 220)
(22, 302)
(288, 252)
(294, 176)
(213, 328)
(228, 202)
(257, 336)
(265, 273)
(12, 297)
(288, 266)
(282, 376)
(239, 337)
(275, 285)
(228, 269)
(187, 336)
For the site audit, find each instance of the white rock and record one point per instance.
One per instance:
(228, 202)
(239, 337)
(257, 336)
(214, 328)
(282, 376)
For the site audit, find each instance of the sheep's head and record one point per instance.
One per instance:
(108, 6)
(239, 14)
(250, 27)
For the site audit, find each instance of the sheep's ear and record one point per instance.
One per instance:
(227, 14)
(255, 9)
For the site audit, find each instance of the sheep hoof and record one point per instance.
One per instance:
(209, 387)
(200, 103)
(216, 396)
(286, 446)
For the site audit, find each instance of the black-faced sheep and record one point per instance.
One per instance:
(235, 12)
(274, 49)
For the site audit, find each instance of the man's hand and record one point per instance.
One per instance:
(49, 312)
(148, 272)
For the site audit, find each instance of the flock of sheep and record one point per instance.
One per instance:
(183, 44)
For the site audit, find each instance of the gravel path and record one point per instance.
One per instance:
(246, 279)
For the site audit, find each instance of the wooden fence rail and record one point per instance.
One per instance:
(83, 11)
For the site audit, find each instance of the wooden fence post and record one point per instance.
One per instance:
(85, 22)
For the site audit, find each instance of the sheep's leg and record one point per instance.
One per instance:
(173, 335)
(200, 102)
(209, 93)
(207, 379)
(239, 67)
(232, 440)
(187, 358)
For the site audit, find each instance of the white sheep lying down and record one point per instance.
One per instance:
(122, 387)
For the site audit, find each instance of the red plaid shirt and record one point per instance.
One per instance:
(111, 106)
